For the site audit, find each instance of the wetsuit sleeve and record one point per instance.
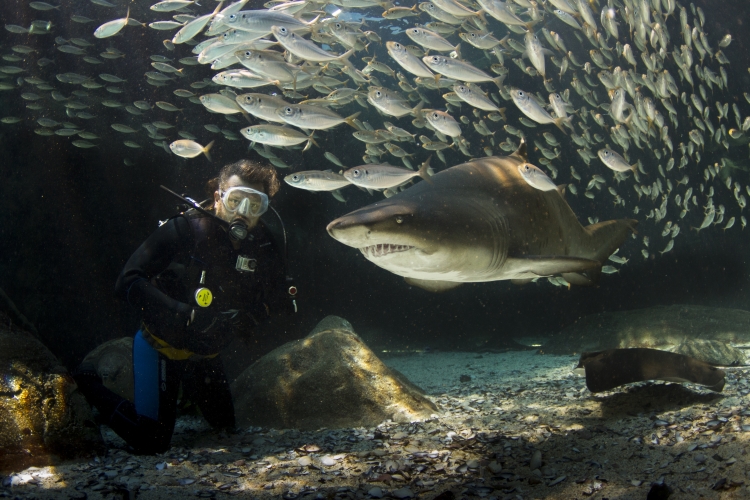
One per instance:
(152, 257)
(275, 293)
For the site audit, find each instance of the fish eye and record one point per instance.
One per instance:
(399, 219)
(233, 17)
(434, 115)
(288, 110)
(378, 93)
(338, 25)
(295, 177)
(248, 53)
(435, 59)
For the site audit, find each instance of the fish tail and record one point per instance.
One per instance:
(416, 111)
(350, 120)
(345, 56)
(499, 81)
(310, 141)
(423, 170)
(207, 149)
(561, 189)
(559, 122)
(634, 167)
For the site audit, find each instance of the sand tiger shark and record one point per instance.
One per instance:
(480, 221)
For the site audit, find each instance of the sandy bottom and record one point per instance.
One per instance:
(514, 425)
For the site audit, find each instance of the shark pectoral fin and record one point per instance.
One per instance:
(589, 278)
(432, 285)
(521, 281)
(550, 265)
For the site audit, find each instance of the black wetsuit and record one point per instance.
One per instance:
(160, 279)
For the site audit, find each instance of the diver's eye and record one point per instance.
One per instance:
(399, 219)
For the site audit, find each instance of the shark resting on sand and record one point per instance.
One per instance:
(480, 221)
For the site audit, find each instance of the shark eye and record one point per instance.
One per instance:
(399, 219)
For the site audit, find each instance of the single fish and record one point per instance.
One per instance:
(460, 70)
(474, 96)
(303, 48)
(262, 106)
(113, 27)
(312, 117)
(442, 122)
(317, 180)
(187, 148)
(613, 160)
(391, 103)
(407, 60)
(275, 135)
(379, 177)
(534, 111)
(537, 179)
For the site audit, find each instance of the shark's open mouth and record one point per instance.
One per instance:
(383, 249)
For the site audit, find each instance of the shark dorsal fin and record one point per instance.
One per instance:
(520, 153)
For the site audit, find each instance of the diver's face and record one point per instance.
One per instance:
(221, 210)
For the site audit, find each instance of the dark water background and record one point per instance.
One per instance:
(70, 218)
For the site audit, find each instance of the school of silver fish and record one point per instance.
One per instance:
(410, 82)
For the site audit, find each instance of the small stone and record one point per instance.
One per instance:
(465, 378)
(700, 458)
(494, 467)
(536, 460)
(185, 481)
(110, 474)
(375, 492)
(472, 464)
(636, 482)
(161, 466)
(327, 461)
(402, 493)
(304, 461)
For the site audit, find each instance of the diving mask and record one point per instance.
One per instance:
(244, 201)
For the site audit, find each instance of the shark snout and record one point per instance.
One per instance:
(349, 231)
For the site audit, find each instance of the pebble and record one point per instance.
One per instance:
(402, 493)
(304, 461)
(327, 460)
(375, 492)
(536, 460)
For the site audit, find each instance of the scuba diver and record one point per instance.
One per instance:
(203, 277)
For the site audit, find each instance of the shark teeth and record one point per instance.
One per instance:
(383, 249)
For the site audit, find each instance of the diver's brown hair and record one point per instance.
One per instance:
(251, 172)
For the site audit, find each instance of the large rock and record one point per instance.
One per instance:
(114, 364)
(42, 415)
(661, 327)
(713, 352)
(328, 379)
